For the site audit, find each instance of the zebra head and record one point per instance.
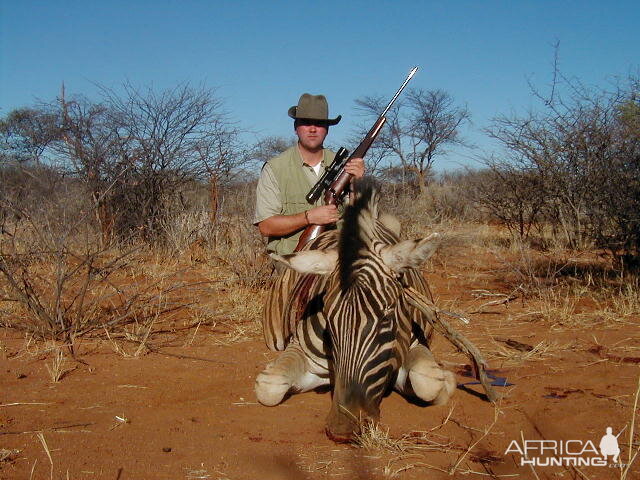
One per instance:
(368, 320)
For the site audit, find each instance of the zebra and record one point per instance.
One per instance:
(340, 316)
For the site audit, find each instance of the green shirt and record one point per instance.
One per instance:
(284, 182)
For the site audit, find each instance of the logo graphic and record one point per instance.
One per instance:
(609, 445)
(549, 453)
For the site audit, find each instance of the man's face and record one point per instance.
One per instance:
(311, 135)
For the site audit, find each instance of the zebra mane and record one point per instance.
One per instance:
(352, 237)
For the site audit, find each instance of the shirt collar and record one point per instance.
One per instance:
(326, 161)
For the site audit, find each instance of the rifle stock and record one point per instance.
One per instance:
(339, 187)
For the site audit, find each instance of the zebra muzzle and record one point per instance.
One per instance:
(343, 422)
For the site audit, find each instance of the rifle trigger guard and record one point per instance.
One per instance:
(338, 199)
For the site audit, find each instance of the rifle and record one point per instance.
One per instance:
(335, 180)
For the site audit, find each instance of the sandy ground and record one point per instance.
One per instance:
(187, 410)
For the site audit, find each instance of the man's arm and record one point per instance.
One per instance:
(281, 225)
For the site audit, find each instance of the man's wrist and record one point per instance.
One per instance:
(306, 217)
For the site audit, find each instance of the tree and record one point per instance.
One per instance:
(269, 147)
(26, 137)
(583, 150)
(26, 133)
(511, 194)
(421, 127)
(167, 139)
(91, 150)
(133, 151)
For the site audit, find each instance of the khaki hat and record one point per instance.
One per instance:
(313, 107)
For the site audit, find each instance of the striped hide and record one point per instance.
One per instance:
(340, 316)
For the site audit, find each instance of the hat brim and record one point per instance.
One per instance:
(328, 121)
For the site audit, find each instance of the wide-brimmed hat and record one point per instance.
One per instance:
(313, 107)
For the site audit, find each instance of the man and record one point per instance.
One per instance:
(282, 212)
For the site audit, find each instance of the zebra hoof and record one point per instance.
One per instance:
(432, 384)
(271, 389)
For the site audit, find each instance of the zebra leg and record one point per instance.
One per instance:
(289, 372)
(423, 377)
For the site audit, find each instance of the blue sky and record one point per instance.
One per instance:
(260, 56)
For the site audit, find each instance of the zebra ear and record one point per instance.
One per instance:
(321, 262)
(391, 222)
(410, 253)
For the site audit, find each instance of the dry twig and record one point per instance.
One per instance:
(456, 338)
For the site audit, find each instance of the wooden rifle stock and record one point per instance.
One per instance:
(339, 187)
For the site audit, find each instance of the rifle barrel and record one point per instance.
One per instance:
(411, 74)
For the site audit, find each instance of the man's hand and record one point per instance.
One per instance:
(355, 167)
(323, 215)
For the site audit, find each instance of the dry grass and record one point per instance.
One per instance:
(64, 281)
(72, 299)
(633, 443)
(372, 436)
(242, 321)
(410, 450)
(487, 430)
(184, 229)
(510, 356)
(626, 302)
(47, 451)
(133, 340)
(58, 367)
(559, 310)
(8, 455)
(237, 333)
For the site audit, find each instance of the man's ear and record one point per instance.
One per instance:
(320, 262)
(410, 253)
